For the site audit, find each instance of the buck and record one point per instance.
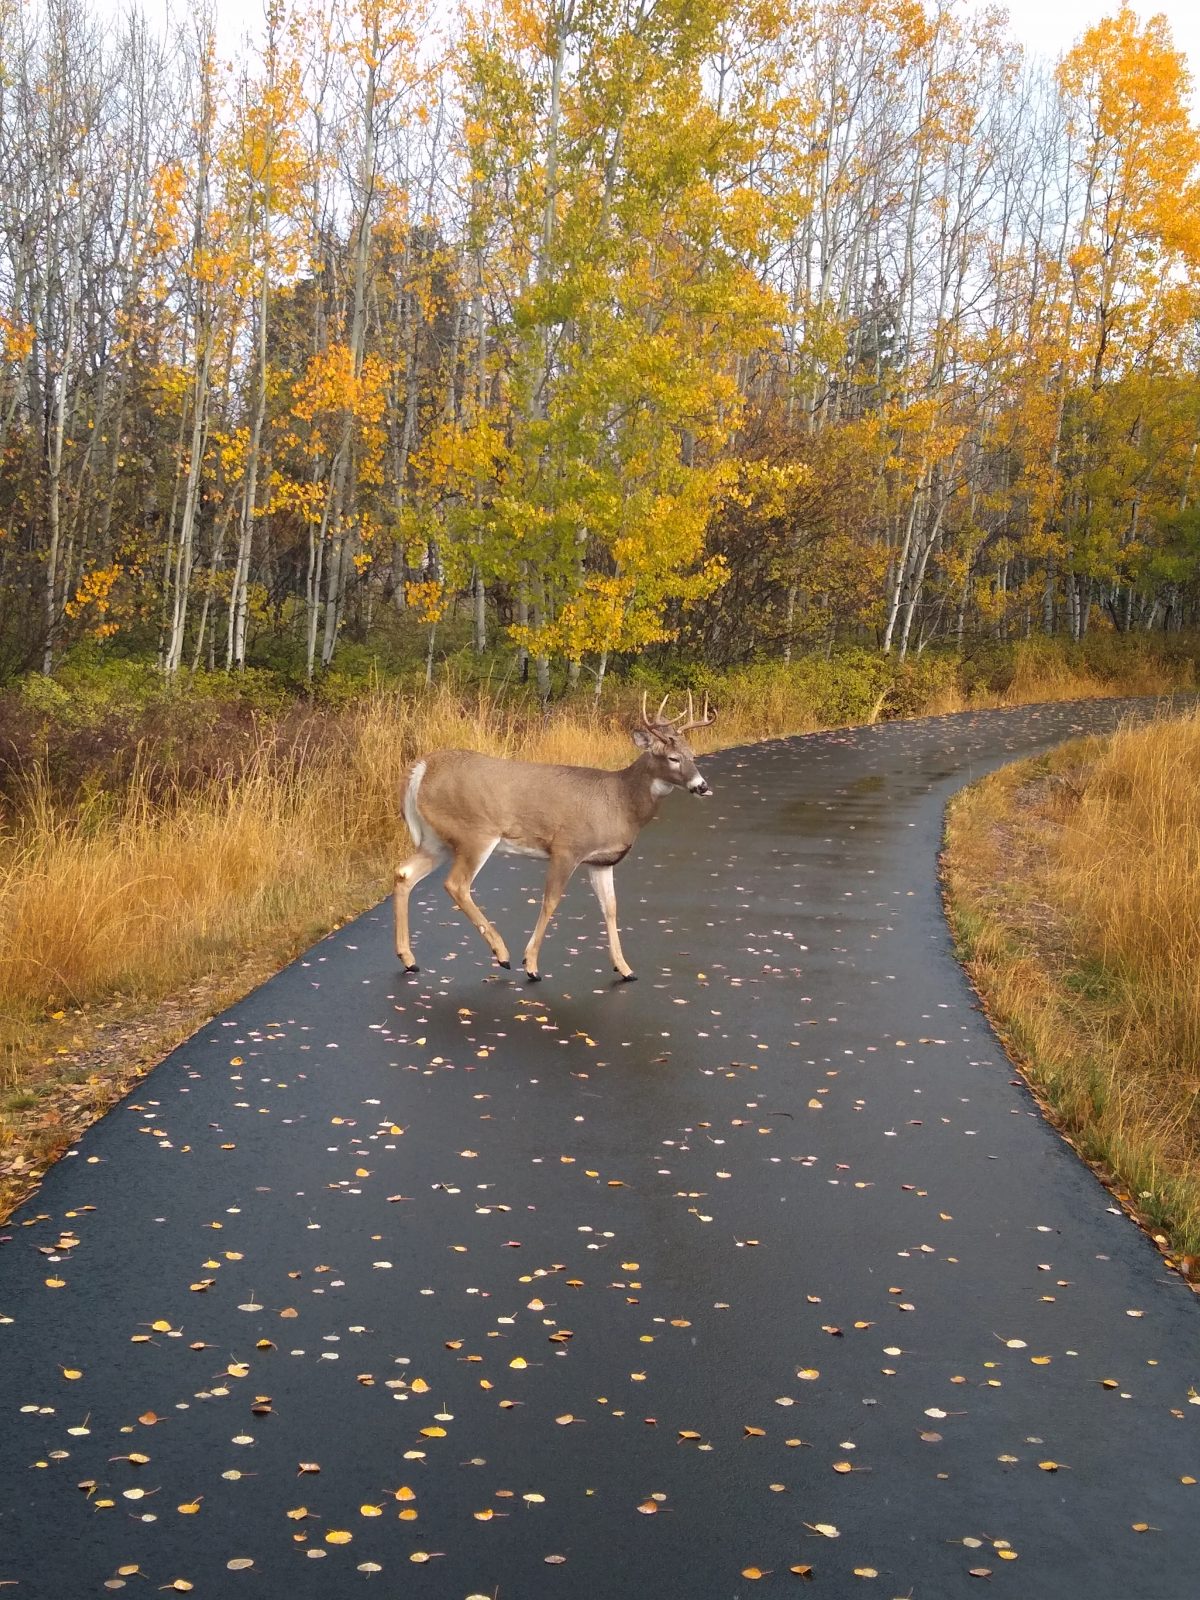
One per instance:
(464, 804)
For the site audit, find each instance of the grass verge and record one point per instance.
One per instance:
(1073, 888)
(159, 859)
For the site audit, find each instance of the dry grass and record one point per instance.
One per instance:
(1074, 886)
(1047, 674)
(1041, 674)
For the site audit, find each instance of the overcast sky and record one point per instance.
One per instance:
(1052, 26)
(1046, 26)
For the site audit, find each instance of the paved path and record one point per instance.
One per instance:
(605, 1292)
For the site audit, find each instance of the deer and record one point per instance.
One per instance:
(466, 805)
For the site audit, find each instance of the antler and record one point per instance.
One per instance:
(705, 719)
(658, 722)
(676, 722)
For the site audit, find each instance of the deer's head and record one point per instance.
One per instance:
(667, 753)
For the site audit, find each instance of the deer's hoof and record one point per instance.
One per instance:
(413, 968)
(627, 977)
(534, 977)
(507, 965)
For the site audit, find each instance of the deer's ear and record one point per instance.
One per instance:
(642, 739)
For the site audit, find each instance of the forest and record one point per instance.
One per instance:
(745, 328)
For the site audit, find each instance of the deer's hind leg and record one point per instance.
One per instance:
(408, 876)
(468, 859)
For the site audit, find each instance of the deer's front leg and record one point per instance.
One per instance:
(558, 874)
(602, 883)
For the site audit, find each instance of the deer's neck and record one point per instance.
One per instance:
(643, 790)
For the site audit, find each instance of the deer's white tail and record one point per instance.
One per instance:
(416, 823)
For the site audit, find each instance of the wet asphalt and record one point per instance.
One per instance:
(764, 1270)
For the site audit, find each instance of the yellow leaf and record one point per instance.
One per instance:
(338, 1536)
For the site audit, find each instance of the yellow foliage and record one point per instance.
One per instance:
(428, 599)
(94, 594)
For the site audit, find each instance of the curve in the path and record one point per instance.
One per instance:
(764, 1262)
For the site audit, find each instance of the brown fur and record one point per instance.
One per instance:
(466, 804)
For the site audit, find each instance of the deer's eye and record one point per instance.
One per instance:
(674, 760)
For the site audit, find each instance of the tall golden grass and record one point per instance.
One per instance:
(1075, 885)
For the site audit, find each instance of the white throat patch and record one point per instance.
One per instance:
(658, 788)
